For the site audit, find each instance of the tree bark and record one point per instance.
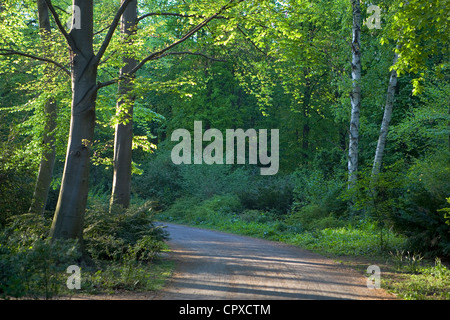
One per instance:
(69, 215)
(121, 187)
(355, 96)
(45, 173)
(386, 120)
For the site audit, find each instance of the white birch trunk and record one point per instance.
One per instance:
(386, 120)
(355, 96)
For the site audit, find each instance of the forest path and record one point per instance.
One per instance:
(218, 265)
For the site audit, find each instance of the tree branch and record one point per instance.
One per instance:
(251, 42)
(191, 53)
(7, 52)
(190, 33)
(151, 14)
(58, 23)
(113, 81)
(111, 30)
(161, 53)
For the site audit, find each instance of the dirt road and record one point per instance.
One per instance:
(217, 265)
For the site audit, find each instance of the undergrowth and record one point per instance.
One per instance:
(120, 252)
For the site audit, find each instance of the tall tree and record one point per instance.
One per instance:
(123, 140)
(355, 95)
(386, 120)
(48, 156)
(69, 215)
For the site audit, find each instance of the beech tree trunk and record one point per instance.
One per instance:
(123, 140)
(45, 173)
(355, 96)
(386, 120)
(69, 215)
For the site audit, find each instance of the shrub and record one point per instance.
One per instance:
(160, 180)
(257, 216)
(112, 235)
(204, 181)
(268, 193)
(31, 264)
(312, 217)
(427, 186)
(311, 188)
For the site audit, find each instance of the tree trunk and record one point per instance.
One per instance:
(306, 107)
(121, 187)
(386, 120)
(46, 165)
(69, 214)
(355, 96)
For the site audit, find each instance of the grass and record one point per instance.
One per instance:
(407, 275)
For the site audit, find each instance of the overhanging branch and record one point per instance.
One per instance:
(152, 14)
(58, 23)
(163, 52)
(190, 33)
(8, 52)
(113, 81)
(111, 30)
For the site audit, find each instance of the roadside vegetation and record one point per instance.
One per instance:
(120, 253)
(305, 210)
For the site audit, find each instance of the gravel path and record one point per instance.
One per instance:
(218, 265)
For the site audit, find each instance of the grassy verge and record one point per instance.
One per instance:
(407, 275)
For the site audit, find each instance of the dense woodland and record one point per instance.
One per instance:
(91, 94)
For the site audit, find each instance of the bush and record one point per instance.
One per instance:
(193, 210)
(30, 264)
(117, 249)
(268, 193)
(312, 217)
(204, 181)
(426, 187)
(257, 216)
(112, 235)
(311, 188)
(160, 180)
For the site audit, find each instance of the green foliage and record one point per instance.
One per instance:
(267, 194)
(287, 67)
(30, 264)
(120, 249)
(204, 181)
(312, 187)
(417, 38)
(357, 240)
(446, 212)
(130, 233)
(428, 282)
(312, 216)
(426, 187)
(195, 211)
